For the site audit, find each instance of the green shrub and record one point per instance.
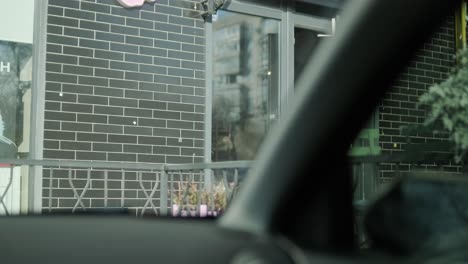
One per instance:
(447, 106)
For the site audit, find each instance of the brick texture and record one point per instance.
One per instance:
(399, 107)
(122, 85)
(127, 85)
(120, 76)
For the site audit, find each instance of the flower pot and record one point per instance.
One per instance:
(175, 210)
(203, 210)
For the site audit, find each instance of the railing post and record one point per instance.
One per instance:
(208, 180)
(24, 199)
(163, 192)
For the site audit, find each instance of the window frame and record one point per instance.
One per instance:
(33, 182)
(288, 19)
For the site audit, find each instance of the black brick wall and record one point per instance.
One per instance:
(399, 107)
(121, 85)
(124, 84)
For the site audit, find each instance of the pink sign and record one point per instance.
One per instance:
(134, 3)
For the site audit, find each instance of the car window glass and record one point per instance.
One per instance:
(418, 126)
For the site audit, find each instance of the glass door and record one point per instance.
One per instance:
(245, 83)
(252, 65)
(309, 33)
(305, 43)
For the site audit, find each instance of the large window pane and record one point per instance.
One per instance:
(245, 83)
(16, 40)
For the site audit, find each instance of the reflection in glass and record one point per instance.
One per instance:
(245, 84)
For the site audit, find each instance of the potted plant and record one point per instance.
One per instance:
(185, 200)
(219, 196)
(177, 201)
(204, 201)
(192, 199)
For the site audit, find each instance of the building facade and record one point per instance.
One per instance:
(165, 83)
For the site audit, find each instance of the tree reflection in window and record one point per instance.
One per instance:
(245, 84)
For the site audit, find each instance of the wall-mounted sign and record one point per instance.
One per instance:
(5, 66)
(15, 80)
(134, 3)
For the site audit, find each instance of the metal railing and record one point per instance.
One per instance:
(137, 188)
(202, 189)
(369, 170)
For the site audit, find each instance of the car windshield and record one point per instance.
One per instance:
(160, 107)
(415, 139)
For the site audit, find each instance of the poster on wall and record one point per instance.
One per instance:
(15, 80)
